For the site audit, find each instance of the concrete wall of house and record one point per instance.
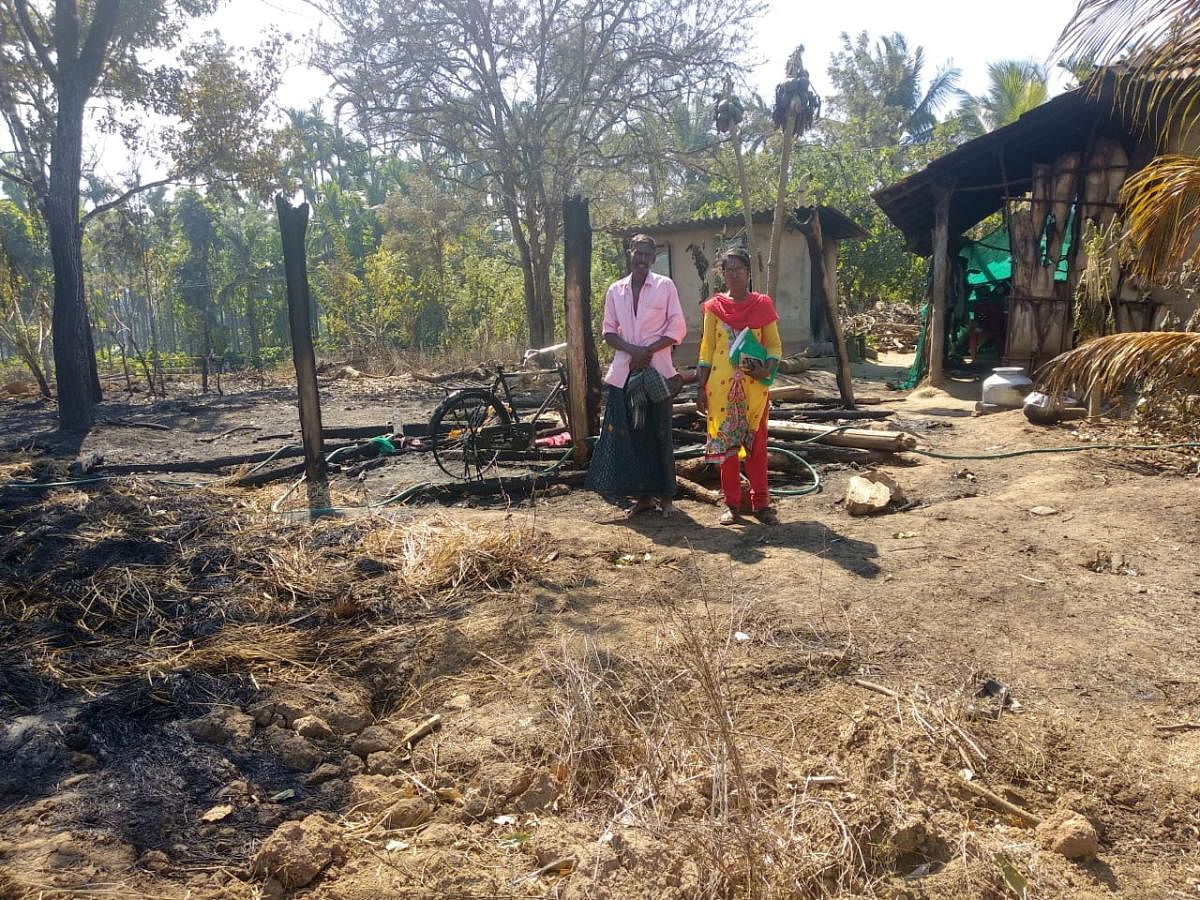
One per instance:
(795, 284)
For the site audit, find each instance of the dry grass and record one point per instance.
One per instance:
(670, 741)
(158, 580)
(1167, 359)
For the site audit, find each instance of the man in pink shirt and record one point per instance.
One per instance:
(642, 322)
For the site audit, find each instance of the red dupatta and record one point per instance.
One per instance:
(756, 311)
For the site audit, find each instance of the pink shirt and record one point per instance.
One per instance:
(659, 315)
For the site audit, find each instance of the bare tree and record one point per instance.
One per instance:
(524, 94)
(58, 57)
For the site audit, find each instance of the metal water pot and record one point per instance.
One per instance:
(1007, 387)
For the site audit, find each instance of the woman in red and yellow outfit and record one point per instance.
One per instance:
(734, 397)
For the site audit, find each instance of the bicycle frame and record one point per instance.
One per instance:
(503, 378)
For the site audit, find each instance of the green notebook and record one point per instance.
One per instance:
(745, 344)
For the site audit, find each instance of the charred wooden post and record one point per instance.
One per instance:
(293, 223)
(583, 366)
(822, 261)
(938, 301)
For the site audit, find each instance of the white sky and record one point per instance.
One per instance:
(954, 32)
(967, 33)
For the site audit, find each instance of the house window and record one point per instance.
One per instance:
(662, 262)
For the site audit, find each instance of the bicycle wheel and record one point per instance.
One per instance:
(468, 430)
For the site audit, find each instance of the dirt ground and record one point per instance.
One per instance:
(200, 699)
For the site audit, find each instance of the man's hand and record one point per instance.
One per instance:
(640, 358)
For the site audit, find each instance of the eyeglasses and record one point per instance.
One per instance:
(734, 268)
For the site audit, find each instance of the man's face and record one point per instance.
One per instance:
(641, 258)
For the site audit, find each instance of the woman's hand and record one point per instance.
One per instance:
(756, 369)
(702, 400)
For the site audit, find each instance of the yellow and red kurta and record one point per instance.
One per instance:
(737, 403)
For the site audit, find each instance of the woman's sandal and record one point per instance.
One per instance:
(728, 517)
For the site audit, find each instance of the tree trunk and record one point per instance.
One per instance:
(735, 135)
(252, 331)
(205, 352)
(545, 300)
(785, 160)
(74, 352)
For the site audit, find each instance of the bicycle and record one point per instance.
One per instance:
(474, 428)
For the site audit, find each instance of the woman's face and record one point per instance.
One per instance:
(737, 276)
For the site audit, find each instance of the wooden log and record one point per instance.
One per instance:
(826, 415)
(515, 486)
(548, 455)
(814, 452)
(693, 491)
(293, 223)
(268, 476)
(583, 367)
(858, 401)
(698, 471)
(782, 393)
(860, 438)
(213, 464)
(357, 431)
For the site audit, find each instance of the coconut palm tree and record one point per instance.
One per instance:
(1015, 86)
(1157, 40)
(888, 77)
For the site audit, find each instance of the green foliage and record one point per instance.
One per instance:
(1015, 86)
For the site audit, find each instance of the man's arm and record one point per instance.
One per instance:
(640, 356)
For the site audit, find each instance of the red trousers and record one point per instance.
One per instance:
(756, 472)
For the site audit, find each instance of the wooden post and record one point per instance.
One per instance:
(293, 223)
(828, 281)
(583, 366)
(936, 334)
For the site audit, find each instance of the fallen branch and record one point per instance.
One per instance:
(234, 430)
(1000, 803)
(1179, 726)
(560, 866)
(877, 688)
(130, 423)
(426, 728)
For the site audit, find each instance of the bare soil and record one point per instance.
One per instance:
(199, 699)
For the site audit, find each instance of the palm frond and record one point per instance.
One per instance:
(1162, 208)
(1104, 30)
(1169, 358)
(1158, 44)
